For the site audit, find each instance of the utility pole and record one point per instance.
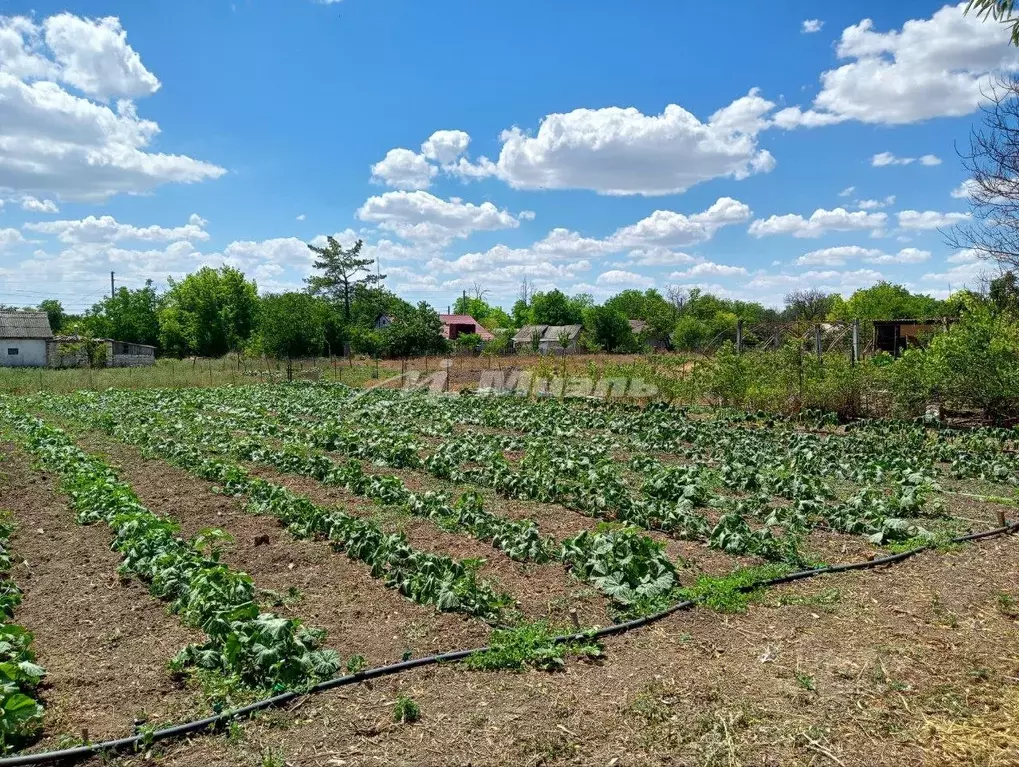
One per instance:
(112, 291)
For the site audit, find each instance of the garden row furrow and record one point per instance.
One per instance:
(261, 650)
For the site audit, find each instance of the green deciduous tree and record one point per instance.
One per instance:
(885, 301)
(416, 332)
(556, 308)
(55, 312)
(610, 328)
(209, 313)
(649, 306)
(808, 305)
(488, 316)
(291, 325)
(1004, 293)
(127, 315)
(975, 363)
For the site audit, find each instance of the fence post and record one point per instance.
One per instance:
(856, 341)
(818, 342)
(739, 336)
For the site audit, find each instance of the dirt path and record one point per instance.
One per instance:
(104, 642)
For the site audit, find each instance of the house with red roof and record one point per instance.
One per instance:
(454, 325)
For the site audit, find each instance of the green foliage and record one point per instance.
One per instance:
(733, 592)
(342, 271)
(291, 325)
(208, 313)
(490, 317)
(630, 568)
(885, 301)
(262, 649)
(468, 341)
(649, 306)
(806, 681)
(1004, 293)
(54, 312)
(999, 11)
(556, 308)
(611, 329)
(974, 364)
(530, 644)
(129, 315)
(406, 710)
(20, 713)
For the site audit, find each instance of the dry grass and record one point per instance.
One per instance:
(989, 739)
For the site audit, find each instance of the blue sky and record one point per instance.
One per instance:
(591, 146)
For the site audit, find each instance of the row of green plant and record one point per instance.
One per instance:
(586, 479)
(259, 649)
(20, 710)
(186, 441)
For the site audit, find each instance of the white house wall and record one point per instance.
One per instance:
(31, 352)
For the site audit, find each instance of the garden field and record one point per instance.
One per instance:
(632, 585)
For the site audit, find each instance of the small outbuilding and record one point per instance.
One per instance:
(895, 336)
(549, 338)
(24, 339)
(78, 351)
(456, 325)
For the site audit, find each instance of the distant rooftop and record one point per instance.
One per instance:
(25, 325)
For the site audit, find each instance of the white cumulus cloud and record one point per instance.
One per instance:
(444, 146)
(810, 26)
(58, 144)
(106, 229)
(418, 215)
(403, 169)
(820, 222)
(929, 68)
(622, 151)
(930, 219)
(35, 205)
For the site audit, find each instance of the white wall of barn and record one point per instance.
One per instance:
(22, 352)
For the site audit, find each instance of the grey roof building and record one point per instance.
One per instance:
(24, 337)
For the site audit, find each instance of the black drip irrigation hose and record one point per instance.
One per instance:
(179, 730)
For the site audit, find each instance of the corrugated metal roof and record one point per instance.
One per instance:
(25, 325)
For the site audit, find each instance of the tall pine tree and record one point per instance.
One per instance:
(342, 270)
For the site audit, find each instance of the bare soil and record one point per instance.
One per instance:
(892, 672)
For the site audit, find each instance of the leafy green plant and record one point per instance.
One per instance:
(262, 649)
(806, 681)
(630, 568)
(732, 593)
(406, 710)
(530, 644)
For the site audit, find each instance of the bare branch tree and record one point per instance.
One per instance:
(526, 291)
(478, 292)
(810, 304)
(993, 188)
(678, 298)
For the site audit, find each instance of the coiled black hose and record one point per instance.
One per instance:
(134, 741)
